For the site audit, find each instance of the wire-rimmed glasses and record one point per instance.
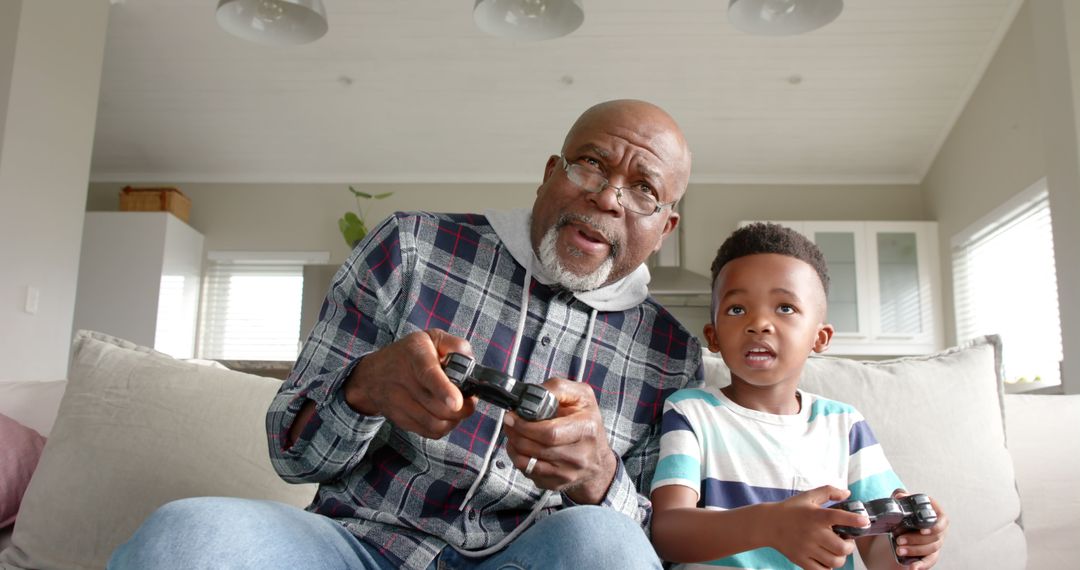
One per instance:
(633, 198)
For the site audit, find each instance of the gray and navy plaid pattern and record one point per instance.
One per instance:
(401, 492)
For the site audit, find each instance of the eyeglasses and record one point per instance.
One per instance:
(638, 199)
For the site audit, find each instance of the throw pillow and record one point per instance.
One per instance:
(135, 430)
(939, 418)
(20, 448)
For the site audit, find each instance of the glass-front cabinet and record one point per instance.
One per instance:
(885, 285)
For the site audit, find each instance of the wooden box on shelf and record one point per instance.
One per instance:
(170, 200)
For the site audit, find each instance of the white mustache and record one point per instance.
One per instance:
(613, 241)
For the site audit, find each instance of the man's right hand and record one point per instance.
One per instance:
(405, 383)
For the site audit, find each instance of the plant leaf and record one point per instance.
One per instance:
(383, 195)
(362, 194)
(352, 229)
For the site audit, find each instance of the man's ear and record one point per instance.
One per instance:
(823, 338)
(669, 226)
(549, 169)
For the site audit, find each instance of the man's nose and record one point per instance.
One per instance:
(607, 199)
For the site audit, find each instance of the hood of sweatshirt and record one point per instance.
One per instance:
(512, 227)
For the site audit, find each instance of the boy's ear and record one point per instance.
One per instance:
(823, 338)
(710, 336)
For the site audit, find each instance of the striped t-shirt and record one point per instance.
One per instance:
(734, 456)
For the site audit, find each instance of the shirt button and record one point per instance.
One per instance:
(472, 515)
(545, 341)
(500, 464)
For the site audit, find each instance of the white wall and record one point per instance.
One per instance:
(9, 32)
(1056, 29)
(994, 151)
(304, 217)
(1019, 127)
(51, 82)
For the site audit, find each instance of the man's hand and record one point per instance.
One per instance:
(571, 450)
(405, 383)
(803, 529)
(925, 543)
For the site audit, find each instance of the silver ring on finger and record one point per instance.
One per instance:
(530, 466)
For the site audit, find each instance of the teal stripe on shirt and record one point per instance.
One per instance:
(694, 394)
(877, 486)
(763, 558)
(823, 407)
(678, 466)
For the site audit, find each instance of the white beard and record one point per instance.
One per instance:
(549, 259)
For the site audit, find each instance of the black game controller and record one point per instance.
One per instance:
(890, 516)
(532, 402)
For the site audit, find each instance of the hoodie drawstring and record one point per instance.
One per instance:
(513, 360)
(543, 500)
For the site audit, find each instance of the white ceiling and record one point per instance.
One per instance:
(411, 91)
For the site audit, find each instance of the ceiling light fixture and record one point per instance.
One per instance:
(528, 19)
(782, 17)
(274, 22)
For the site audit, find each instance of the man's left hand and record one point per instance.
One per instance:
(571, 450)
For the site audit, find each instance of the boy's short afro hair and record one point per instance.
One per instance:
(762, 237)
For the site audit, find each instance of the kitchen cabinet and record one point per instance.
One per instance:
(885, 285)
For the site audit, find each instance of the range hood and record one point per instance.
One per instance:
(670, 278)
(678, 281)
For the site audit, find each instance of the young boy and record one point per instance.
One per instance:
(746, 471)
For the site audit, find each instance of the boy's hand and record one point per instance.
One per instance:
(803, 529)
(925, 543)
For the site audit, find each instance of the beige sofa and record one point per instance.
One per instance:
(136, 428)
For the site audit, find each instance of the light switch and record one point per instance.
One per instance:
(33, 295)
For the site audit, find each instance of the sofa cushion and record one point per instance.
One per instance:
(135, 430)
(20, 448)
(1047, 460)
(939, 418)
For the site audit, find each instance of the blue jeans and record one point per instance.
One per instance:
(205, 533)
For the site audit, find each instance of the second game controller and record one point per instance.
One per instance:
(890, 516)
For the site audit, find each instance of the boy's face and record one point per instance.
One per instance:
(769, 315)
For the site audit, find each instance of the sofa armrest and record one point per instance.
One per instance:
(1041, 432)
(32, 403)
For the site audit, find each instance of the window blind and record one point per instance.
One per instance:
(1005, 283)
(251, 310)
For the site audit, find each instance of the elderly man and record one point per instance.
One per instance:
(412, 474)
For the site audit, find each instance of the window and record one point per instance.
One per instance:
(1005, 283)
(251, 305)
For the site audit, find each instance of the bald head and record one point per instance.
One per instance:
(642, 122)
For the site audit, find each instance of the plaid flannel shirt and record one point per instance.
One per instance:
(403, 493)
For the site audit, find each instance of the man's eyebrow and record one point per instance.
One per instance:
(655, 175)
(650, 171)
(602, 153)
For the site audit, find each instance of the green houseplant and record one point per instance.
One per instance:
(353, 225)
